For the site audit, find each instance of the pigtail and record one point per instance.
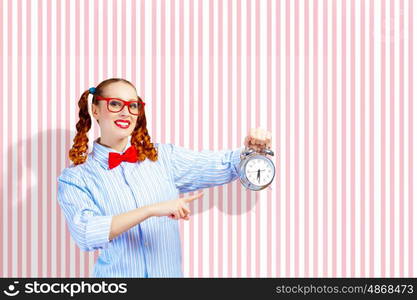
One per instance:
(142, 141)
(78, 153)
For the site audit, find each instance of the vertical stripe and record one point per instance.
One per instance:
(85, 85)
(362, 140)
(142, 76)
(296, 141)
(163, 73)
(391, 139)
(249, 124)
(278, 138)
(19, 152)
(9, 153)
(172, 68)
(59, 149)
(200, 258)
(96, 75)
(325, 143)
(115, 34)
(383, 141)
(180, 139)
(315, 139)
(410, 141)
(173, 76)
(87, 82)
(77, 87)
(257, 124)
(40, 144)
(371, 142)
(124, 42)
(334, 141)
(191, 224)
(269, 217)
(29, 195)
(211, 133)
(230, 143)
(306, 138)
(401, 133)
(352, 141)
(133, 22)
(172, 72)
(343, 108)
(68, 124)
(3, 271)
(220, 114)
(153, 95)
(239, 196)
(288, 253)
(10, 250)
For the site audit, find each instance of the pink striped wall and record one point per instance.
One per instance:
(332, 80)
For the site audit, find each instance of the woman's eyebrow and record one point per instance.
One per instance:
(132, 99)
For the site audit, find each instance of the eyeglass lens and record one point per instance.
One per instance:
(117, 105)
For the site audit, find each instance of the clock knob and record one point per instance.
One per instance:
(269, 152)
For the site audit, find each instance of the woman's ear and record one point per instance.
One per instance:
(94, 110)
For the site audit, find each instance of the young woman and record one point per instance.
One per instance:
(123, 197)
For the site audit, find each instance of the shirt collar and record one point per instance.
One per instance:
(101, 153)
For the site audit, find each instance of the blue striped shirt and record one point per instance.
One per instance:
(90, 194)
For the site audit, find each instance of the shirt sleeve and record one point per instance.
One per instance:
(193, 170)
(88, 227)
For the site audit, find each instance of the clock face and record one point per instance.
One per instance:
(259, 171)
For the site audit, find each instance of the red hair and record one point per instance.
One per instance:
(139, 137)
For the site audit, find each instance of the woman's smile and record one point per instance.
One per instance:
(124, 124)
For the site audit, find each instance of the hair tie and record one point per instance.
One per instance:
(92, 90)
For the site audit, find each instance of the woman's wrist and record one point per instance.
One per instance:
(148, 211)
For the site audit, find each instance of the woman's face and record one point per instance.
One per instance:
(120, 124)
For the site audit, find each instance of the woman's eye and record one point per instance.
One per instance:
(115, 103)
(134, 105)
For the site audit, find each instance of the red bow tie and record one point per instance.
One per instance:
(129, 155)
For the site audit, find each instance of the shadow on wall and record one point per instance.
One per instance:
(30, 195)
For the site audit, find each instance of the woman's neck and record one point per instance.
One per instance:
(118, 145)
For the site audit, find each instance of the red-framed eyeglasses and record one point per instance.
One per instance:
(116, 105)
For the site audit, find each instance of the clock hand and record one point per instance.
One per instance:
(255, 171)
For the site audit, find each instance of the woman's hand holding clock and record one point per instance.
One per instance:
(258, 139)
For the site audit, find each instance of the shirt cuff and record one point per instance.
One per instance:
(97, 232)
(236, 158)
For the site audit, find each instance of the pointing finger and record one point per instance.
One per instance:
(181, 213)
(186, 210)
(192, 198)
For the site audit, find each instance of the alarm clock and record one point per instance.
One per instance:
(256, 170)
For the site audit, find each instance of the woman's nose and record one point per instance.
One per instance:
(125, 110)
